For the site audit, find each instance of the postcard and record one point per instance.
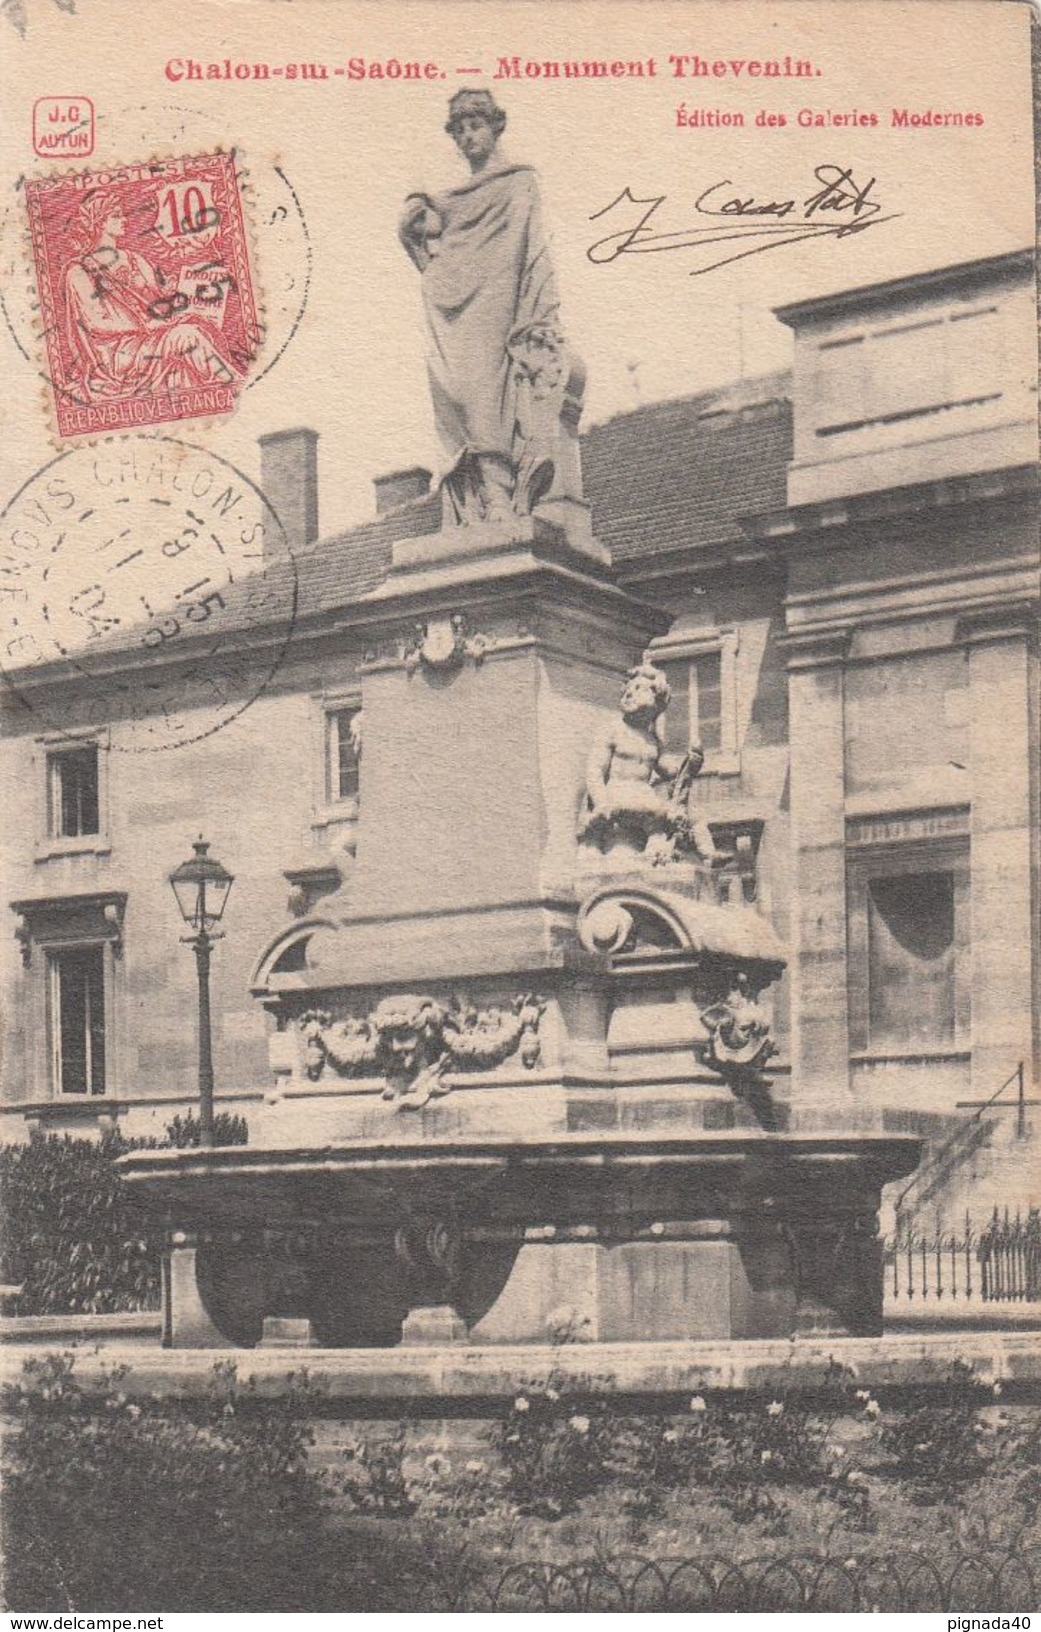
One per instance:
(520, 781)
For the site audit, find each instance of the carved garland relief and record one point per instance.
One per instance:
(415, 1041)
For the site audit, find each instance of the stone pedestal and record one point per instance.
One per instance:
(496, 651)
(528, 1101)
(437, 1324)
(628, 1292)
(640, 1237)
(186, 1319)
(280, 1332)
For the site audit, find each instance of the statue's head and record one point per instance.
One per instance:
(475, 123)
(646, 692)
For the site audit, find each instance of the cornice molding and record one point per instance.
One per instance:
(1007, 622)
(90, 915)
(819, 525)
(1015, 265)
(815, 648)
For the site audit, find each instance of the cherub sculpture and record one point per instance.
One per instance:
(637, 793)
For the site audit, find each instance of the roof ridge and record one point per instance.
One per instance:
(734, 390)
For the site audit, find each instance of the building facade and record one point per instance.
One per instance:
(848, 556)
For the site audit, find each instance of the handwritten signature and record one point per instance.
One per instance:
(839, 207)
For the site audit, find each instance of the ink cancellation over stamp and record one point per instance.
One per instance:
(146, 293)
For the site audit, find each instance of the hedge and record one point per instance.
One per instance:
(73, 1238)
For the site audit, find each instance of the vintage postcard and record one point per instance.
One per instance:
(520, 955)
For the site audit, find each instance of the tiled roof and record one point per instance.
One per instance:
(671, 475)
(679, 474)
(338, 570)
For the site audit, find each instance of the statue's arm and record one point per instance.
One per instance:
(598, 767)
(681, 768)
(414, 228)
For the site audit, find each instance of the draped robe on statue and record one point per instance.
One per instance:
(491, 305)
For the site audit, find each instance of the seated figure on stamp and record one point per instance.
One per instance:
(126, 335)
(500, 378)
(637, 795)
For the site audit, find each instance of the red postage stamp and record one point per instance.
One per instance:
(146, 292)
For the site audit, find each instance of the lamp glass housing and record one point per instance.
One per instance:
(201, 887)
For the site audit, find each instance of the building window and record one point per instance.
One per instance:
(695, 714)
(706, 680)
(909, 949)
(911, 960)
(343, 754)
(702, 675)
(76, 1002)
(336, 761)
(72, 996)
(73, 792)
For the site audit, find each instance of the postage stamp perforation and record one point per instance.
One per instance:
(121, 343)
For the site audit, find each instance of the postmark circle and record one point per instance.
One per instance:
(147, 586)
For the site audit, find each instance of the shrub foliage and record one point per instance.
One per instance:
(206, 1504)
(117, 1501)
(115, 1497)
(72, 1237)
(185, 1132)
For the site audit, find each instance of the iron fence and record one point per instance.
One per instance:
(901, 1582)
(999, 1263)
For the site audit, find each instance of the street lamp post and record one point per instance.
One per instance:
(201, 888)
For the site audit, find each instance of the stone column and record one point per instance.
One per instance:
(1003, 907)
(820, 1024)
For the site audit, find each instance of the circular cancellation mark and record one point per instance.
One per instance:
(147, 586)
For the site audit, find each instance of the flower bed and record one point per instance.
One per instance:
(831, 1497)
(569, 1471)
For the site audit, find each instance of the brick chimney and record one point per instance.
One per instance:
(289, 479)
(401, 487)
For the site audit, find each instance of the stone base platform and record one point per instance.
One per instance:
(603, 1237)
(437, 1382)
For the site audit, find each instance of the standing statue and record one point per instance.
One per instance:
(637, 794)
(500, 379)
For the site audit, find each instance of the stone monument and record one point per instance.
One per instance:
(519, 1065)
(506, 392)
